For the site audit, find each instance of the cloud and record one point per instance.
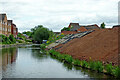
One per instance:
(56, 14)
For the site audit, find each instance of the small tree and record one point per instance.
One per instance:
(65, 29)
(102, 25)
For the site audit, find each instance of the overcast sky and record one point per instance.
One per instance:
(56, 14)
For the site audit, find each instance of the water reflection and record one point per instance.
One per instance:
(38, 54)
(8, 56)
(30, 62)
(87, 72)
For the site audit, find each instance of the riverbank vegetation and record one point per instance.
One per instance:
(92, 65)
(12, 40)
(7, 40)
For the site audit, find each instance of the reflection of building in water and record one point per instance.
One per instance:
(8, 56)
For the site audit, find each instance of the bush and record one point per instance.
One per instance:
(84, 64)
(20, 41)
(116, 72)
(5, 39)
(13, 40)
(76, 62)
(42, 46)
(68, 58)
(109, 68)
(98, 66)
(91, 65)
(28, 40)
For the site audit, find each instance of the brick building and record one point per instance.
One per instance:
(7, 27)
(76, 28)
(3, 24)
(14, 30)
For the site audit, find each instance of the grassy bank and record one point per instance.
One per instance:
(92, 65)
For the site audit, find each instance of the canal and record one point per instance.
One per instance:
(29, 62)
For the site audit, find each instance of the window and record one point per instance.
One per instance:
(0, 28)
(3, 29)
(6, 29)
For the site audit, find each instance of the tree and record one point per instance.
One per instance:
(65, 29)
(28, 33)
(41, 33)
(102, 25)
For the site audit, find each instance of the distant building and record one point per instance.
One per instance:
(76, 28)
(88, 27)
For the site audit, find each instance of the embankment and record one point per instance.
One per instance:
(99, 45)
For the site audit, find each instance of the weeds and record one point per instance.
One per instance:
(84, 64)
(76, 62)
(98, 66)
(93, 65)
(109, 68)
(116, 72)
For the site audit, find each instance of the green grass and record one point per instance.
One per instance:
(92, 65)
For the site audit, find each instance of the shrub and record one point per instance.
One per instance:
(116, 72)
(68, 58)
(20, 41)
(76, 62)
(5, 39)
(109, 68)
(28, 40)
(84, 64)
(98, 66)
(51, 51)
(91, 65)
(60, 56)
(42, 46)
(13, 40)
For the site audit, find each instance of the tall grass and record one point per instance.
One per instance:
(93, 65)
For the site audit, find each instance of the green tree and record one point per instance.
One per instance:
(28, 33)
(65, 29)
(41, 33)
(102, 25)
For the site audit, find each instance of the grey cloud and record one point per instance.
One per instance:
(56, 14)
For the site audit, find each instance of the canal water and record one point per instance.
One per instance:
(29, 62)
